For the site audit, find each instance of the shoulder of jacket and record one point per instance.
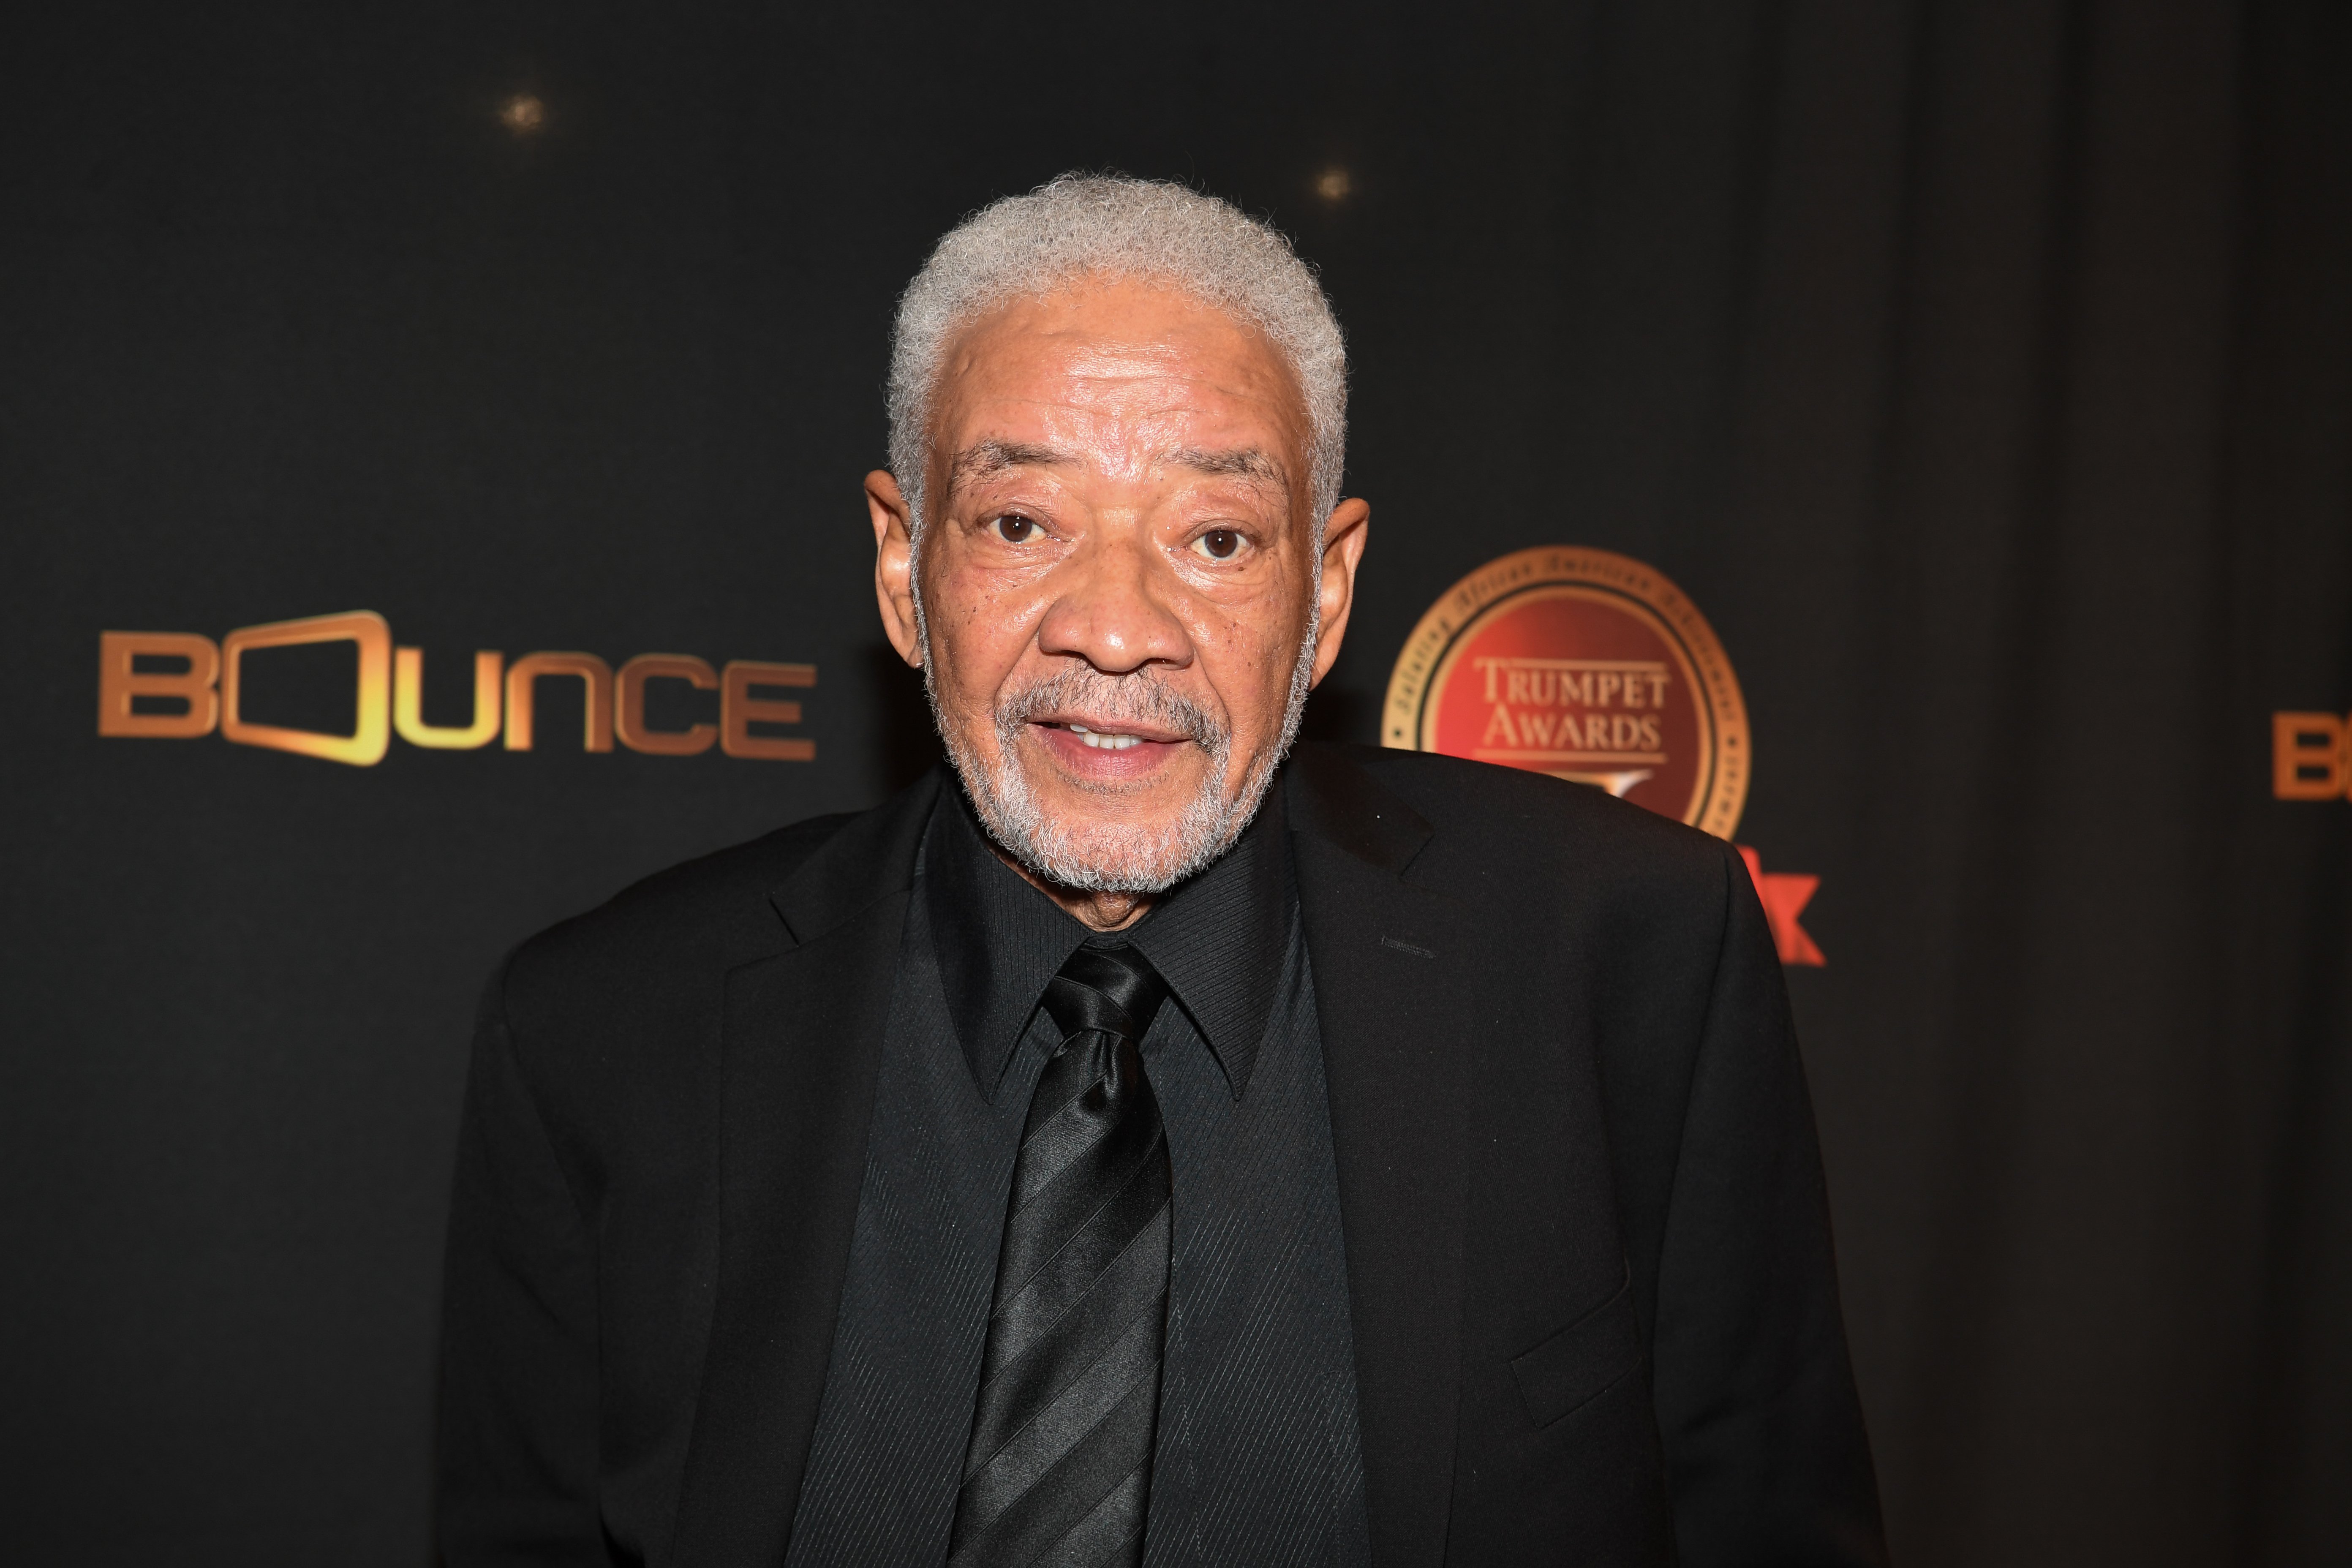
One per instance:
(1499, 824)
(709, 911)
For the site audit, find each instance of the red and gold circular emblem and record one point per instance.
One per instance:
(1584, 665)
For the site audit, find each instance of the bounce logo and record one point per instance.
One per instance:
(2311, 756)
(180, 686)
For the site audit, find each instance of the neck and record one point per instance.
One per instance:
(1099, 912)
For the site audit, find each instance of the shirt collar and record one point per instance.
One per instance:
(1218, 939)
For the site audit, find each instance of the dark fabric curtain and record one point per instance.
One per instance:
(1983, 370)
(1988, 364)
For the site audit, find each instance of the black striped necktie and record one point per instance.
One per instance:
(1059, 1470)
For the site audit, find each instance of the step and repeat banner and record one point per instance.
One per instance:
(1908, 442)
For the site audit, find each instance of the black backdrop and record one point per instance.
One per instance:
(1983, 370)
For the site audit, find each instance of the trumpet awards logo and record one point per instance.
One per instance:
(183, 686)
(1586, 666)
(1591, 666)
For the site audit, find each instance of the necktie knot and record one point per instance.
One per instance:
(1114, 990)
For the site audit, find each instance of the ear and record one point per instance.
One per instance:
(894, 564)
(1344, 538)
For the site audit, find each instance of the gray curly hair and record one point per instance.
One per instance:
(1110, 225)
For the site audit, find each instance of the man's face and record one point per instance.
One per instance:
(1118, 579)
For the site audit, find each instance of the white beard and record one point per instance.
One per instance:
(1100, 856)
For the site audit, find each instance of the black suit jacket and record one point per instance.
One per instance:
(1595, 1311)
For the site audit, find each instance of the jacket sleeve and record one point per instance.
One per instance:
(518, 1419)
(1764, 1443)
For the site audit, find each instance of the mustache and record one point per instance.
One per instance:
(1141, 697)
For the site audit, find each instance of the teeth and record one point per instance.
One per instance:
(1103, 742)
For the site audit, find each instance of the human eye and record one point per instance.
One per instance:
(1013, 528)
(1219, 544)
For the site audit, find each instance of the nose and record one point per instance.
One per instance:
(1111, 607)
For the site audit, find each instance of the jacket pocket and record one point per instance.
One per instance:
(1582, 1361)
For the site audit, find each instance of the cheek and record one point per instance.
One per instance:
(1251, 658)
(978, 636)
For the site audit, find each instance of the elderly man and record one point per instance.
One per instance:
(1141, 1143)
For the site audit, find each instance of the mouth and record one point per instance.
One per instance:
(1106, 748)
(1112, 734)
(1103, 740)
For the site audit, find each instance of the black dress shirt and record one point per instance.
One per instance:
(1257, 1457)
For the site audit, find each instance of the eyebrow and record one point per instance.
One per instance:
(985, 460)
(1252, 463)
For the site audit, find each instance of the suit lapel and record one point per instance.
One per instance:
(1396, 994)
(802, 1052)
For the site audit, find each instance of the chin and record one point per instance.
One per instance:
(1063, 842)
(1106, 857)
